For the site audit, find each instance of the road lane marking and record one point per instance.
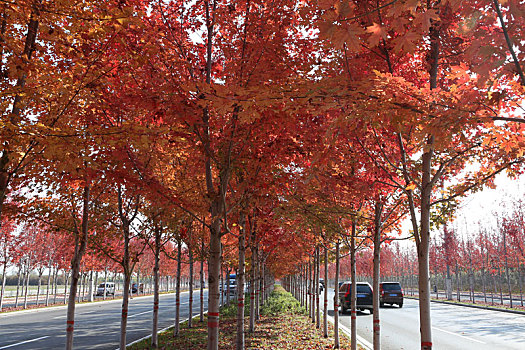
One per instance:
(24, 342)
(362, 341)
(141, 313)
(459, 335)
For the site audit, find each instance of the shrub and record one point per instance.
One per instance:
(281, 302)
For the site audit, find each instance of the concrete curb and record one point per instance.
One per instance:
(472, 306)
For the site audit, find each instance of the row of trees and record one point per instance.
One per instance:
(41, 257)
(253, 133)
(486, 266)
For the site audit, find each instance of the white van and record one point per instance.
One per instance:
(110, 288)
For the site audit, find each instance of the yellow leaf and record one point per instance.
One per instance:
(411, 186)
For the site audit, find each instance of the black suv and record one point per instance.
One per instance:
(363, 296)
(390, 293)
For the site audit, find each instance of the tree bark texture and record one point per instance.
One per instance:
(377, 256)
(240, 284)
(176, 329)
(81, 239)
(353, 291)
(155, 322)
(325, 295)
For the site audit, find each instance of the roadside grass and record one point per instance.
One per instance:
(283, 325)
(516, 307)
(11, 288)
(482, 303)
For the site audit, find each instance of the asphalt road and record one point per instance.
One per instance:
(453, 327)
(97, 325)
(31, 299)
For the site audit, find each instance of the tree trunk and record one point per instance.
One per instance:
(201, 316)
(55, 284)
(375, 286)
(66, 279)
(520, 281)
(18, 284)
(423, 248)
(39, 285)
(262, 287)
(325, 294)
(317, 270)
(500, 286)
(353, 293)
(448, 284)
(176, 329)
(81, 239)
(258, 286)
(507, 274)
(311, 289)
(214, 269)
(138, 282)
(125, 303)
(458, 282)
(48, 283)
(336, 298)
(3, 283)
(240, 284)
(190, 285)
(227, 279)
(105, 282)
(26, 280)
(495, 288)
(82, 287)
(223, 292)
(90, 289)
(303, 286)
(155, 323)
(483, 281)
(252, 294)
(308, 288)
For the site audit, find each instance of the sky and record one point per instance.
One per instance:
(483, 207)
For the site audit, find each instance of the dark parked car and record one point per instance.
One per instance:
(363, 296)
(390, 293)
(136, 288)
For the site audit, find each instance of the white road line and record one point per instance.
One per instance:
(459, 335)
(141, 313)
(360, 340)
(24, 342)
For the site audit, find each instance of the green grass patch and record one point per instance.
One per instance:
(283, 325)
(281, 302)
